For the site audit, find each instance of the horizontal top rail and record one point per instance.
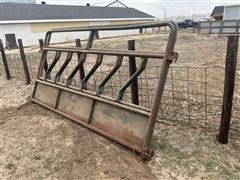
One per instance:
(107, 52)
(171, 38)
(114, 27)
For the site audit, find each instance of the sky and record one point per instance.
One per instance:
(156, 7)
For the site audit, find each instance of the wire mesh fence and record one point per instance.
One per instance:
(192, 95)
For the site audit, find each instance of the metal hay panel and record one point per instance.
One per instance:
(62, 86)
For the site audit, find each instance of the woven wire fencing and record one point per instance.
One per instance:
(16, 68)
(192, 95)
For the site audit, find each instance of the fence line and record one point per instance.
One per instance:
(219, 27)
(192, 95)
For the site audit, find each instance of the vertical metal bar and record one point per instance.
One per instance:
(230, 73)
(158, 96)
(43, 61)
(84, 56)
(24, 62)
(160, 87)
(41, 44)
(4, 58)
(132, 70)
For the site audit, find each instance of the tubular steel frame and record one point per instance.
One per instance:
(168, 57)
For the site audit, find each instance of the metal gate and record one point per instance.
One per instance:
(128, 124)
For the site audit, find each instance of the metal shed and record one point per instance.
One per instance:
(231, 12)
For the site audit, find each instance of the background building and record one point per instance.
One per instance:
(217, 13)
(227, 12)
(231, 12)
(31, 21)
(19, 1)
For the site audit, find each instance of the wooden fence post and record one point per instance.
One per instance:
(132, 70)
(24, 62)
(5, 64)
(81, 68)
(230, 72)
(41, 44)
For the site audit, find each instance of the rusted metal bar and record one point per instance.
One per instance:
(230, 73)
(5, 63)
(115, 27)
(76, 69)
(131, 80)
(89, 45)
(41, 44)
(132, 70)
(63, 67)
(108, 52)
(108, 77)
(43, 60)
(83, 84)
(52, 65)
(81, 68)
(24, 62)
(161, 84)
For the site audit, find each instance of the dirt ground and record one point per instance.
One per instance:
(38, 144)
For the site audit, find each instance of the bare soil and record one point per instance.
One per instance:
(38, 144)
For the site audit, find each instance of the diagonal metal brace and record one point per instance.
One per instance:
(55, 60)
(63, 67)
(91, 72)
(108, 77)
(131, 80)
